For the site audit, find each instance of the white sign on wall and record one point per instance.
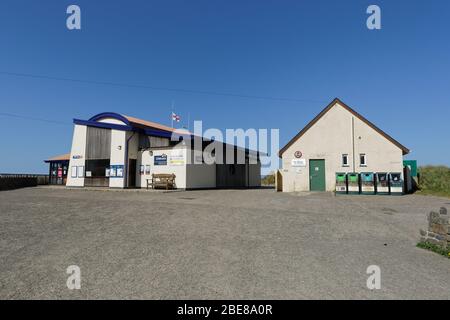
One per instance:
(298, 163)
(176, 159)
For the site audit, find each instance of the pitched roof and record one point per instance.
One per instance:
(149, 124)
(138, 124)
(131, 122)
(62, 157)
(356, 114)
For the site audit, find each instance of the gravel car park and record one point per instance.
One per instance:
(215, 244)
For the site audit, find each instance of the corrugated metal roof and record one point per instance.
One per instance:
(150, 124)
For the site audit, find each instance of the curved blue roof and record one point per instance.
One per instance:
(112, 115)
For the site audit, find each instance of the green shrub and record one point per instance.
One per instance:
(435, 180)
(435, 248)
(268, 180)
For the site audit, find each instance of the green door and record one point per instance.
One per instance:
(317, 175)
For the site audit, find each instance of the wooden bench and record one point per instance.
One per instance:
(165, 180)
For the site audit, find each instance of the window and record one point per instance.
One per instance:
(74, 172)
(97, 168)
(345, 160)
(80, 171)
(362, 160)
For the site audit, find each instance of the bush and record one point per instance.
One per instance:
(435, 180)
(268, 180)
(435, 248)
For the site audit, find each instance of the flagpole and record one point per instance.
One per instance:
(189, 119)
(171, 115)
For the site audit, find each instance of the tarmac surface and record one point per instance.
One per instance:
(216, 244)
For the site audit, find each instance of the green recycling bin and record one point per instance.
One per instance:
(353, 183)
(396, 183)
(412, 165)
(367, 183)
(341, 183)
(382, 183)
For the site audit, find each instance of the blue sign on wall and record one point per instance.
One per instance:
(160, 160)
(116, 171)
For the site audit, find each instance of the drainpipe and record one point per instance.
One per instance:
(126, 161)
(353, 142)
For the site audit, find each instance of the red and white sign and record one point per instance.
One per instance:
(298, 154)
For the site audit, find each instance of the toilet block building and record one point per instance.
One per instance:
(337, 140)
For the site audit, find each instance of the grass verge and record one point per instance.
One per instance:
(435, 248)
(435, 180)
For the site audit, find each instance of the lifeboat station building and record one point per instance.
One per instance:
(118, 151)
(337, 140)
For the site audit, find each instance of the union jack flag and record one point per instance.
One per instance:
(175, 117)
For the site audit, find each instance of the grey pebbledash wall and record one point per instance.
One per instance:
(438, 229)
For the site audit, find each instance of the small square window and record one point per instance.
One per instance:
(345, 160)
(362, 160)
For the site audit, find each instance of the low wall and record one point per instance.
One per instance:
(16, 181)
(438, 229)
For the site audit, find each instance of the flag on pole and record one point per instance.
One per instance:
(175, 117)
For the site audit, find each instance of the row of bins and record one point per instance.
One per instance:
(369, 183)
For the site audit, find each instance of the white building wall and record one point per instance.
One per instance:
(331, 137)
(118, 140)
(145, 159)
(201, 175)
(77, 156)
(188, 175)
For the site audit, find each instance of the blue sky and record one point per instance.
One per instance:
(307, 51)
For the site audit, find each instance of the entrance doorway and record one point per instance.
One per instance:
(279, 181)
(230, 175)
(317, 175)
(131, 173)
(58, 172)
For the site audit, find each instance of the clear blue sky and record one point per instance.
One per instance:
(398, 77)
